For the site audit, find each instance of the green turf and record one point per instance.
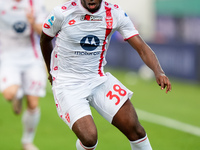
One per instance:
(181, 104)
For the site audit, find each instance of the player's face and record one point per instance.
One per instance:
(91, 5)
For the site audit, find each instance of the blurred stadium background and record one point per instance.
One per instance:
(172, 29)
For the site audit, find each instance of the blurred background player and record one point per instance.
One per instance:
(83, 29)
(22, 71)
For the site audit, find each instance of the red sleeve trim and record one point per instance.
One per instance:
(130, 37)
(48, 35)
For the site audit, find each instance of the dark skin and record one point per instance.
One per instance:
(91, 5)
(126, 119)
(150, 59)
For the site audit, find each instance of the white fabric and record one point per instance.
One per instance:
(31, 77)
(29, 147)
(19, 94)
(20, 55)
(82, 39)
(80, 146)
(30, 121)
(15, 30)
(141, 144)
(73, 102)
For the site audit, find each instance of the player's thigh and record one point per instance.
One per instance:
(109, 97)
(126, 120)
(85, 130)
(34, 81)
(125, 115)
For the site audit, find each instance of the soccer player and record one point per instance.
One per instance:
(22, 71)
(83, 29)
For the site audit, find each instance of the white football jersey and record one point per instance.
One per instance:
(82, 38)
(17, 39)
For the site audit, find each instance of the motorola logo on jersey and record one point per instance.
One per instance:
(19, 27)
(90, 42)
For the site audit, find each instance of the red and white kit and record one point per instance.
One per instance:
(78, 59)
(20, 54)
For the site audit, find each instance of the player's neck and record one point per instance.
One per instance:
(92, 7)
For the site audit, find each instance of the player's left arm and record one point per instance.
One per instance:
(150, 59)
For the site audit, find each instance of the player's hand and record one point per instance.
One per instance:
(30, 17)
(50, 78)
(164, 82)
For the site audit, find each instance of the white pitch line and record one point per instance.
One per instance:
(171, 123)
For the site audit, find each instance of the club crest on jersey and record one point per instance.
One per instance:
(51, 20)
(109, 22)
(91, 18)
(89, 42)
(20, 27)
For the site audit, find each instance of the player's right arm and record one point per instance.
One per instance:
(51, 27)
(47, 48)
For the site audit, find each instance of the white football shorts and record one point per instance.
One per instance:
(73, 102)
(30, 77)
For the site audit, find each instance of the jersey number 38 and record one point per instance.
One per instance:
(119, 91)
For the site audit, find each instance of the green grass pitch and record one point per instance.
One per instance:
(181, 104)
